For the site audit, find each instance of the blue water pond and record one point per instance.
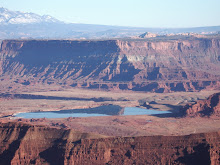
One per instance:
(91, 112)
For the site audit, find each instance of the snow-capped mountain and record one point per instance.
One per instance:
(21, 25)
(17, 17)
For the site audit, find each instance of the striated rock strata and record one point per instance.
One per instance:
(160, 65)
(209, 107)
(26, 144)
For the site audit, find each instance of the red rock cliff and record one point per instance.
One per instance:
(158, 65)
(25, 144)
(204, 108)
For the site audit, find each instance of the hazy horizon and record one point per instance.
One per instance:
(140, 13)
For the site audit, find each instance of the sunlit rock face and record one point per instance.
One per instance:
(142, 65)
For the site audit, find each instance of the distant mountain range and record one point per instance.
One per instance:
(17, 17)
(21, 25)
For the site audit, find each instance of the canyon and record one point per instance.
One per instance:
(153, 65)
(177, 139)
(179, 74)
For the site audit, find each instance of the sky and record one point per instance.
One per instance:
(136, 13)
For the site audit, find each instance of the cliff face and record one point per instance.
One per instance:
(158, 66)
(25, 144)
(209, 107)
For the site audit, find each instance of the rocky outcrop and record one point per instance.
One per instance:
(147, 35)
(159, 65)
(209, 107)
(26, 144)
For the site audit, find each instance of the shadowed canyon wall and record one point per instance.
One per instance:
(26, 144)
(156, 65)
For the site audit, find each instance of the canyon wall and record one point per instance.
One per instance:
(26, 144)
(161, 65)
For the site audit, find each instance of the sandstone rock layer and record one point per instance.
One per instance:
(141, 65)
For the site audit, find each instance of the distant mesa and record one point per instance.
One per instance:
(148, 35)
(209, 107)
(187, 34)
(191, 34)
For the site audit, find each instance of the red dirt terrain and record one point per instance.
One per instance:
(156, 65)
(27, 144)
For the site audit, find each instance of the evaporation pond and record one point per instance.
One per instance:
(91, 112)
